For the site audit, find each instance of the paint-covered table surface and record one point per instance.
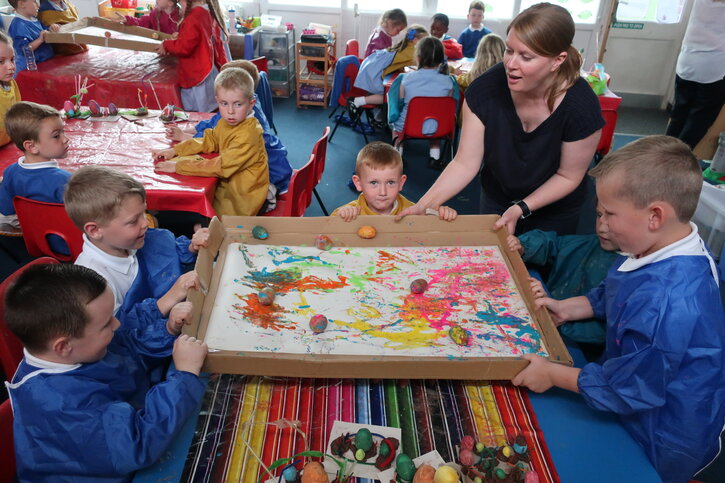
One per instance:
(567, 440)
(126, 146)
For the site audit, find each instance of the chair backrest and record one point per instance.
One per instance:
(11, 350)
(319, 151)
(605, 141)
(264, 97)
(352, 47)
(348, 83)
(421, 109)
(38, 220)
(261, 63)
(300, 189)
(7, 448)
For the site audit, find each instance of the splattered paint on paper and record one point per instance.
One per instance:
(365, 294)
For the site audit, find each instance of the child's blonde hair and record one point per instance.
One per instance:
(235, 78)
(247, 66)
(95, 194)
(378, 155)
(488, 53)
(655, 168)
(22, 121)
(396, 16)
(5, 39)
(476, 5)
(413, 32)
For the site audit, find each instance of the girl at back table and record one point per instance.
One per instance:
(164, 17)
(392, 22)
(201, 54)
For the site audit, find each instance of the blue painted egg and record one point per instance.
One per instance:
(266, 296)
(290, 473)
(260, 233)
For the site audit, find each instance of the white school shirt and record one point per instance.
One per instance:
(119, 272)
(702, 57)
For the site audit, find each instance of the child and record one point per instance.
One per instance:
(438, 29)
(199, 59)
(664, 368)
(9, 92)
(60, 12)
(36, 130)
(431, 79)
(379, 178)
(392, 22)
(382, 63)
(280, 170)
(238, 138)
(28, 34)
(472, 35)
(164, 17)
(87, 400)
(142, 266)
(488, 53)
(575, 264)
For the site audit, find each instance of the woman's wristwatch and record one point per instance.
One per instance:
(525, 211)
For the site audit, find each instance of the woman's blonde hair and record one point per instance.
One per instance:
(548, 30)
(488, 53)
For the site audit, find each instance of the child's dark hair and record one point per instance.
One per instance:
(441, 18)
(413, 32)
(431, 54)
(22, 121)
(396, 16)
(49, 301)
(476, 5)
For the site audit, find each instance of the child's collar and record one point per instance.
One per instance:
(471, 27)
(45, 364)
(29, 19)
(51, 163)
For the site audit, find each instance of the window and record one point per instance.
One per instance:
(582, 11)
(459, 8)
(661, 11)
(308, 3)
(408, 6)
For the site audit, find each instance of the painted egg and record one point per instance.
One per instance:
(142, 111)
(384, 448)
(405, 467)
(260, 233)
(155, 36)
(425, 474)
(68, 108)
(507, 451)
(266, 296)
(467, 442)
(445, 474)
(419, 285)
(477, 480)
(314, 472)
(459, 335)
(367, 232)
(318, 323)
(290, 473)
(360, 455)
(531, 477)
(323, 242)
(479, 447)
(95, 108)
(112, 109)
(520, 444)
(107, 34)
(364, 439)
(468, 457)
(168, 113)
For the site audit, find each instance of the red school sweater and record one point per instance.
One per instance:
(198, 47)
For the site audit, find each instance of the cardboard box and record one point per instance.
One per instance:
(412, 231)
(91, 30)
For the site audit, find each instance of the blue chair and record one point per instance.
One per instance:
(264, 97)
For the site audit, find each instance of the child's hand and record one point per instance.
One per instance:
(537, 288)
(178, 291)
(54, 27)
(160, 49)
(536, 376)
(514, 244)
(446, 213)
(349, 213)
(166, 167)
(178, 317)
(175, 133)
(200, 239)
(119, 18)
(555, 307)
(162, 154)
(189, 354)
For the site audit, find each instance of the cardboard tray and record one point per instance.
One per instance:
(70, 34)
(473, 230)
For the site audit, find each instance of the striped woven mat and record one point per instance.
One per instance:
(234, 423)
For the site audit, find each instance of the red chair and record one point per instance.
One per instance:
(7, 448)
(261, 63)
(352, 47)
(440, 109)
(299, 194)
(39, 219)
(609, 104)
(348, 89)
(319, 151)
(11, 350)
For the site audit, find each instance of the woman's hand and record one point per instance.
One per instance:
(509, 219)
(416, 209)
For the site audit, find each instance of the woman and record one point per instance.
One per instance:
(533, 123)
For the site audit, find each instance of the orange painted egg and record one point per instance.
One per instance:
(314, 472)
(367, 232)
(425, 474)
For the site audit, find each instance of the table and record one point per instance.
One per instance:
(126, 146)
(115, 76)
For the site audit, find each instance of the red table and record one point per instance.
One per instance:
(126, 146)
(116, 76)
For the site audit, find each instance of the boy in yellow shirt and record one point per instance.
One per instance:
(241, 165)
(379, 177)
